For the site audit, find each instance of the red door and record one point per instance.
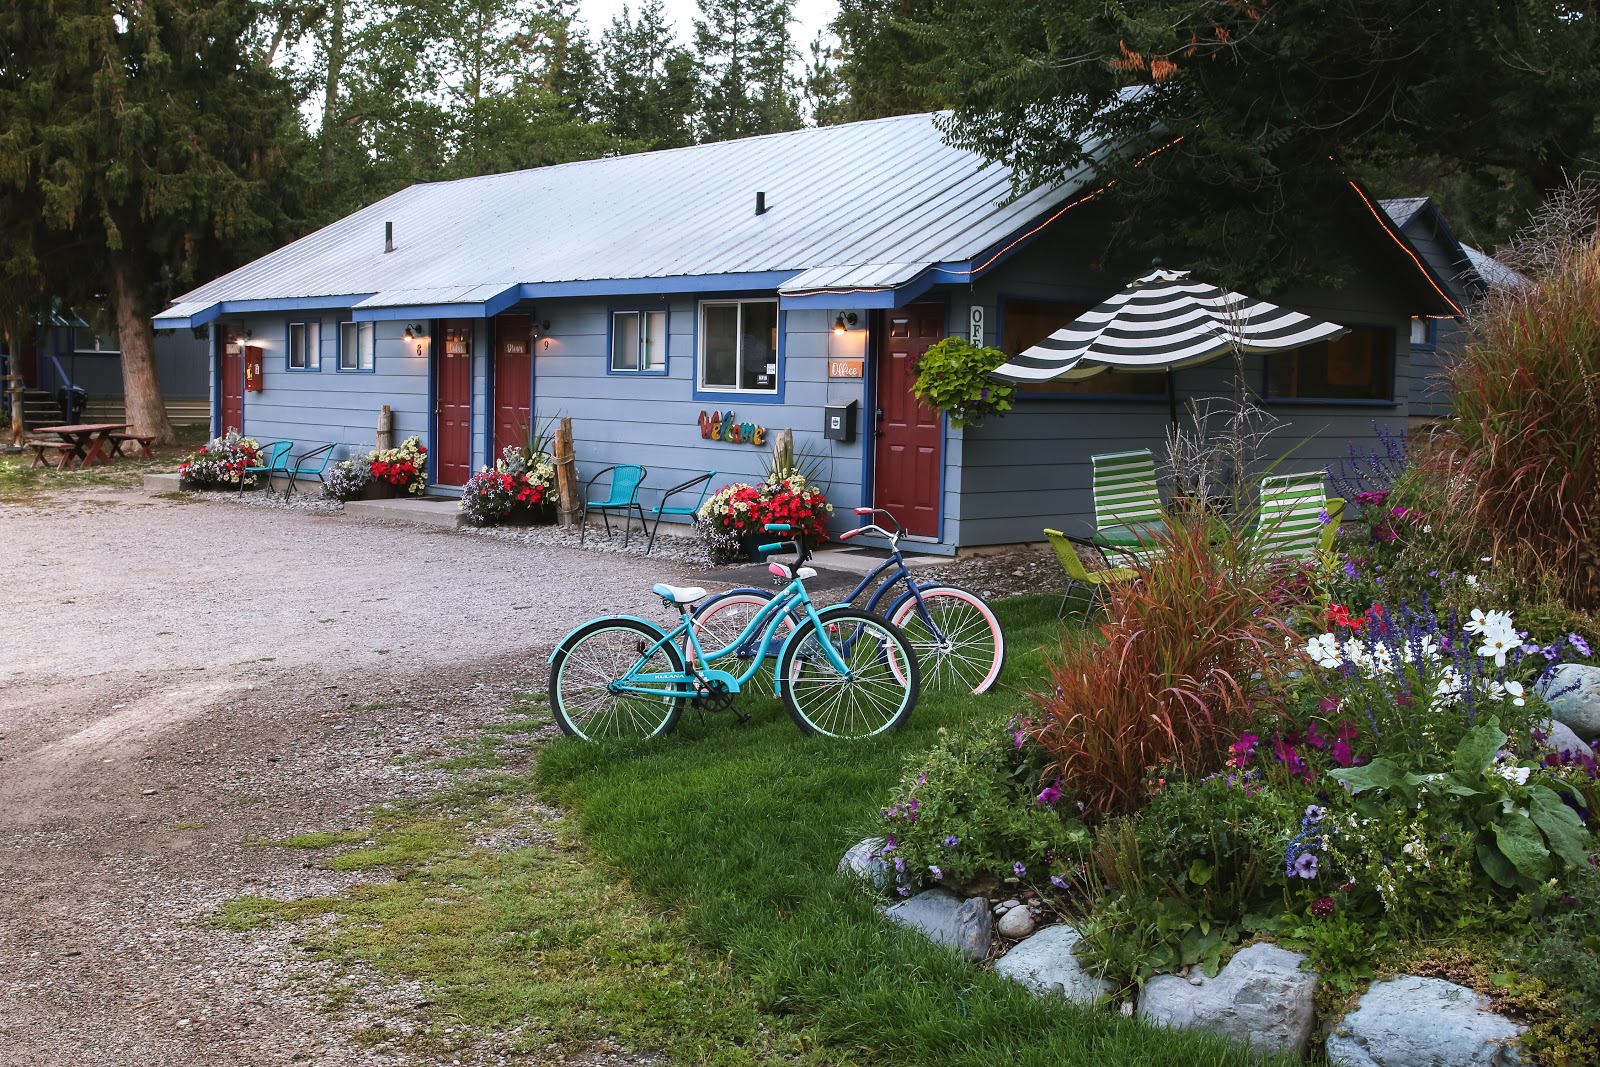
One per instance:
(453, 403)
(513, 380)
(909, 450)
(230, 380)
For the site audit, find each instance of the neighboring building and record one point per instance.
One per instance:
(778, 277)
(1467, 273)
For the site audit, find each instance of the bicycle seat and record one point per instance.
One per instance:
(674, 594)
(782, 570)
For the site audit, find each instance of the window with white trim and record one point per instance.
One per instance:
(638, 340)
(305, 344)
(1423, 333)
(357, 343)
(739, 346)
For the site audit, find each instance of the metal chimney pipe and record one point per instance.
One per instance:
(388, 237)
(761, 203)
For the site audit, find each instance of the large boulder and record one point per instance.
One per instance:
(1046, 966)
(1560, 738)
(1423, 1022)
(1574, 697)
(945, 919)
(1263, 997)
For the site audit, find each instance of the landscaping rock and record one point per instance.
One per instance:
(1016, 924)
(1262, 998)
(1423, 1022)
(1579, 707)
(863, 862)
(1559, 736)
(1045, 965)
(946, 919)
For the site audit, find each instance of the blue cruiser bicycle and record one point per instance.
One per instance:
(840, 672)
(959, 642)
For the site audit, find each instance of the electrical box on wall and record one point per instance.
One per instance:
(839, 422)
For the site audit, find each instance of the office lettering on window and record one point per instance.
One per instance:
(1027, 322)
(739, 346)
(357, 344)
(1358, 366)
(304, 346)
(639, 341)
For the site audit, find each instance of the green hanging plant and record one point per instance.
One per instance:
(954, 377)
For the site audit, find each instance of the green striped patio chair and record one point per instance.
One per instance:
(1128, 515)
(1297, 517)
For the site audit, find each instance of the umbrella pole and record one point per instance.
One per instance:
(1172, 396)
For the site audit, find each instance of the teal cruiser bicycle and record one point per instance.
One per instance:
(840, 672)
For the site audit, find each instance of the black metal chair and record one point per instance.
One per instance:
(701, 480)
(624, 497)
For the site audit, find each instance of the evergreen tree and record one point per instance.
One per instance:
(648, 83)
(1261, 112)
(827, 99)
(744, 48)
(888, 57)
(159, 148)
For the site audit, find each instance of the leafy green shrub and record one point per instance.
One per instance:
(1564, 952)
(1526, 436)
(976, 807)
(953, 376)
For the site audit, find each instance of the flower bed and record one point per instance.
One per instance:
(520, 487)
(220, 463)
(735, 514)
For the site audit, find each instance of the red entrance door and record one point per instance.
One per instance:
(910, 440)
(513, 380)
(453, 403)
(230, 380)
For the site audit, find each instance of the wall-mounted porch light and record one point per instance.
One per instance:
(844, 321)
(415, 330)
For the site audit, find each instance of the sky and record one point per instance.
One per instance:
(810, 16)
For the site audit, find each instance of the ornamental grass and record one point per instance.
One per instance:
(1195, 651)
(1527, 405)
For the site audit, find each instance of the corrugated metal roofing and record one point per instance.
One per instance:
(862, 204)
(1403, 209)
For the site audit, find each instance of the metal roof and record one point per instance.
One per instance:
(861, 205)
(1404, 209)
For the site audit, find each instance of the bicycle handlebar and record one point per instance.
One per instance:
(777, 527)
(777, 546)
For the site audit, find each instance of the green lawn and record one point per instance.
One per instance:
(691, 907)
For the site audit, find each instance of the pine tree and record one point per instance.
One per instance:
(827, 98)
(888, 61)
(160, 148)
(649, 85)
(744, 48)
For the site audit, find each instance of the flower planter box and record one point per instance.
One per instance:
(378, 489)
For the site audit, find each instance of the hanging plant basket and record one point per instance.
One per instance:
(953, 377)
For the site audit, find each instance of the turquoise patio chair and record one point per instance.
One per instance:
(1128, 515)
(272, 459)
(308, 465)
(1291, 523)
(1095, 582)
(624, 497)
(680, 510)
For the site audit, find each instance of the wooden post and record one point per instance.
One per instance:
(783, 451)
(385, 428)
(566, 475)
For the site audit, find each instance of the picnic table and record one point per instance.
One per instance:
(84, 442)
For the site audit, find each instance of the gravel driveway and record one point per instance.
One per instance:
(179, 677)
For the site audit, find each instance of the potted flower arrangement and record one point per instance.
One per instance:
(381, 473)
(731, 519)
(953, 377)
(519, 488)
(220, 462)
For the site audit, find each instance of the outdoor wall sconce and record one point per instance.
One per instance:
(415, 330)
(539, 328)
(845, 320)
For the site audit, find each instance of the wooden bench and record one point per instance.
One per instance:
(142, 440)
(65, 451)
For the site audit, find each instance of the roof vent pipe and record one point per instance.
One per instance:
(388, 237)
(761, 203)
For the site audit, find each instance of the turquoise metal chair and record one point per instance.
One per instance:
(308, 465)
(1290, 524)
(272, 459)
(680, 510)
(1128, 515)
(624, 497)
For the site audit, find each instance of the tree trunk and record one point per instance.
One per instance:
(330, 90)
(146, 410)
(13, 387)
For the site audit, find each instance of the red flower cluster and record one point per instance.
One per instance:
(402, 473)
(1339, 615)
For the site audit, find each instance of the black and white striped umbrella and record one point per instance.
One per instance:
(1161, 322)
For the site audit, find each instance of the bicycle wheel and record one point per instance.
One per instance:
(876, 694)
(603, 652)
(959, 642)
(720, 620)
